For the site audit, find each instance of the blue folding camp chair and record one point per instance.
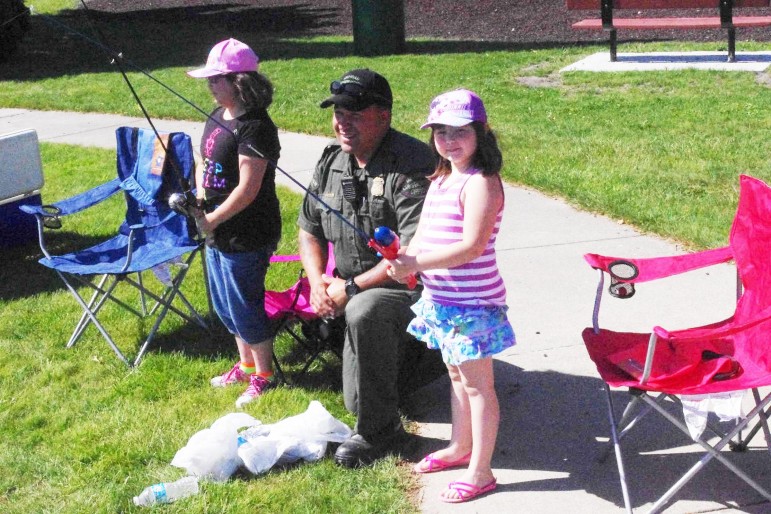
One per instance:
(152, 236)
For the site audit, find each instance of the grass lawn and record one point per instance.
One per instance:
(80, 433)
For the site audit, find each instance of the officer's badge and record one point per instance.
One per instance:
(378, 186)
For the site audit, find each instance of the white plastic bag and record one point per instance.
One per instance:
(260, 454)
(696, 409)
(301, 437)
(296, 449)
(236, 421)
(315, 424)
(216, 452)
(212, 453)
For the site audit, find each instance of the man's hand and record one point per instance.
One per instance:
(336, 291)
(328, 297)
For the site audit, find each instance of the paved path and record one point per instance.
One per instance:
(552, 403)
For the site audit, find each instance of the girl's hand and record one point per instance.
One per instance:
(206, 224)
(401, 268)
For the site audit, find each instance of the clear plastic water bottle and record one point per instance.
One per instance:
(167, 492)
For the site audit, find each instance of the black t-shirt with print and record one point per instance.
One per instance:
(259, 224)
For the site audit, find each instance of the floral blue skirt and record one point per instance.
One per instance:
(462, 333)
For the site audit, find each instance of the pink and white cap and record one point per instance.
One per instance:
(229, 56)
(456, 109)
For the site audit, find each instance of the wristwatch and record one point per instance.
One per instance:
(351, 289)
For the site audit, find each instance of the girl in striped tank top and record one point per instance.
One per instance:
(462, 310)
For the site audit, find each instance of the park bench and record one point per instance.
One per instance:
(724, 8)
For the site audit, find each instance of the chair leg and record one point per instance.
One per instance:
(158, 320)
(315, 355)
(625, 424)
(279, 370)
(166, 297)
(142, 299)
(762, 423)
(311, 344)
(617, 449)
(95, 321)
(712, 452)
(166, 301)
(160, 300)
(735, 446)
(96, 303)
(102, 294)
(299, 340)
(84, 320)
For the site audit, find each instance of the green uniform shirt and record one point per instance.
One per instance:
(389, 192)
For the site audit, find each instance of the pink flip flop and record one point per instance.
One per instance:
(433, 464)
(467, 491)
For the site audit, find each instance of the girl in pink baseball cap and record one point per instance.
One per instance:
(235, 180)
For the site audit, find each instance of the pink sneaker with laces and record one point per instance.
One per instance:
(257, 386)
(233, 376)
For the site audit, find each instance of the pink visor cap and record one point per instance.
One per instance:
(229, 56)
(456, 109)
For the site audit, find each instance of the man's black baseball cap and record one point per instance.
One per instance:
(358, 89)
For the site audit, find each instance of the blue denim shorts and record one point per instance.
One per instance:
(462, 333)
(237, 286)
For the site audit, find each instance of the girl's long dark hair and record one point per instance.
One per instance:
(487, 159)
(254, 89)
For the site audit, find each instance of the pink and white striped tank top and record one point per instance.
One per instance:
(476, 283)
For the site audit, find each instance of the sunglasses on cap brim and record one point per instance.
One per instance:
(356, 91)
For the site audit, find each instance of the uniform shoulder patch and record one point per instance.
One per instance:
(412, 187)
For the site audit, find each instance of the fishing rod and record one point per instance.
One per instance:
(118, 58)
(385, 241)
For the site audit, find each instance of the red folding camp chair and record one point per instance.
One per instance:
(730, 355)
(291, 312)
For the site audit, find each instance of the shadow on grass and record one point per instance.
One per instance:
(22, 276)
(72, 42)
(324, 373)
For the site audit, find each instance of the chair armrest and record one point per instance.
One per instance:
(79, 202)
(660, 267)
(646, 269)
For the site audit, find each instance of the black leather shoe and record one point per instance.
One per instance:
(359, 451)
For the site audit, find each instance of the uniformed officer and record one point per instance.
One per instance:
(372, 176)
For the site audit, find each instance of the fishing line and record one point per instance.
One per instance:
(185, 187)
(21, 13)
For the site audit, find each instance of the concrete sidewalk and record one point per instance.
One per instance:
(553, 410)
(668, 61)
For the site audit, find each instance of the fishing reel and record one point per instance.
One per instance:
(189, 206)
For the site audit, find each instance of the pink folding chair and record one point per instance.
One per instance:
(291, 312)
(731, 355)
